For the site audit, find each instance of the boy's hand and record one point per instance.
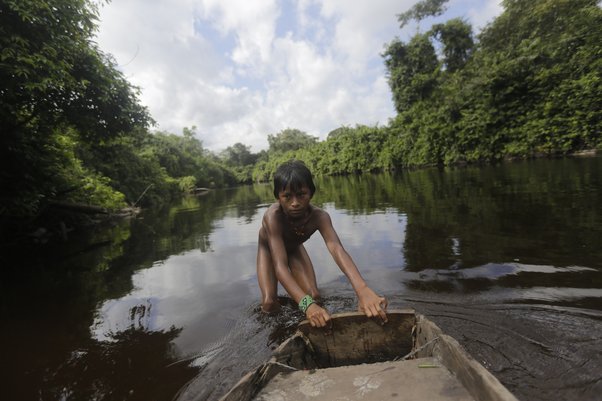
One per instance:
(371, 304)
(317, 316)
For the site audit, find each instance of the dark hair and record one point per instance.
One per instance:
(294, 173)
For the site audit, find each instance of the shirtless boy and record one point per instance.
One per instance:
(281, 256)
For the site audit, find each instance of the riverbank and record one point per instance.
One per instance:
(59, 222)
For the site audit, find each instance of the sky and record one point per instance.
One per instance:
(239, 70)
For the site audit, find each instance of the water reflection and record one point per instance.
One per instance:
(124, 366)
(196, 286)
(505, 258)
(193, 287)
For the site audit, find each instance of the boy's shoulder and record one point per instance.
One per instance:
(318, 212)
(273, 211)
(273, 208)
(318, 216)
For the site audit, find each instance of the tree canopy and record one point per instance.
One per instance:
(527, 86)
(73, 128)
(421, 10)
(290, 139)
(57, 88)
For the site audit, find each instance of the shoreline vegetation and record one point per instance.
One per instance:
(527, 86)
(50, 225)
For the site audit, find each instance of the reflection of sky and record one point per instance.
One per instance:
(491, 271)
(203, 292)
(373, 241)
(206, 293)
(539, 294)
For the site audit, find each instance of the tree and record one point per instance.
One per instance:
(290, 139)
(411, 70)
(456, 38)
(539, 75)
(529, 86)
(421, 10)
(55, 84)
(238, 155)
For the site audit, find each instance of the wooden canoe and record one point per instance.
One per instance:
(409, 358)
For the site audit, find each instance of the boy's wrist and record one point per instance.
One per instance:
(305, 302)
(361, 288)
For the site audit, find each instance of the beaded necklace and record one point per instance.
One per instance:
(299, 229)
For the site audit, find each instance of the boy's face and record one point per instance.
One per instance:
(295, 203)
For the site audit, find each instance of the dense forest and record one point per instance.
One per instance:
(529, 85)
(75, 133)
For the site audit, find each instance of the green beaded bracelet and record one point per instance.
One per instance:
(305, 302)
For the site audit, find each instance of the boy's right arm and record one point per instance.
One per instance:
(317, 316)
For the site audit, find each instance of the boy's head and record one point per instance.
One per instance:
(293, 174)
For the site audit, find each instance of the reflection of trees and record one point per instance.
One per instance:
(539, 212)
(543, 212)
(50, 295)
(135, 365)
(361, 194)
(189, 224)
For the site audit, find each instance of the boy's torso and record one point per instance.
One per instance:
(295, 231)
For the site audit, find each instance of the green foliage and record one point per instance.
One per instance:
(240, 161)
(530, 86)
(347, 150)
(96, 190)
(178, 155)
(421, 10)
(539, 65)
(290, 139)
(238, 155)
(187, 184)
(171, 163)
(182, 156)
(55, 80)
(131, 169)
(73, 129)
(456, 37)
(242, 174)
(77, 183)
(412, 70)
(352, 151)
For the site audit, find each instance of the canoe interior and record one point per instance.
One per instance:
(354, 339)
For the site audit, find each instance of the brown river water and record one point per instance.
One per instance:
(507, 259)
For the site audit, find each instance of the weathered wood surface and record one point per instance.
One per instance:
(352, 338)
(337, 356)
(399, 381)
(479, 382)
(254, 381)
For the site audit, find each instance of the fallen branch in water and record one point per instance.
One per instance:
(140, 197)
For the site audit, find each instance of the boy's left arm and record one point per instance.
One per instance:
(368, 301)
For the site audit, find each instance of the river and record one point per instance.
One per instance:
(506, 258)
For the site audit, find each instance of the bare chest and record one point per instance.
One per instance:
(296, 233)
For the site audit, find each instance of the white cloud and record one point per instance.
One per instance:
(239, 70)
(253, 23)
(482, 13)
